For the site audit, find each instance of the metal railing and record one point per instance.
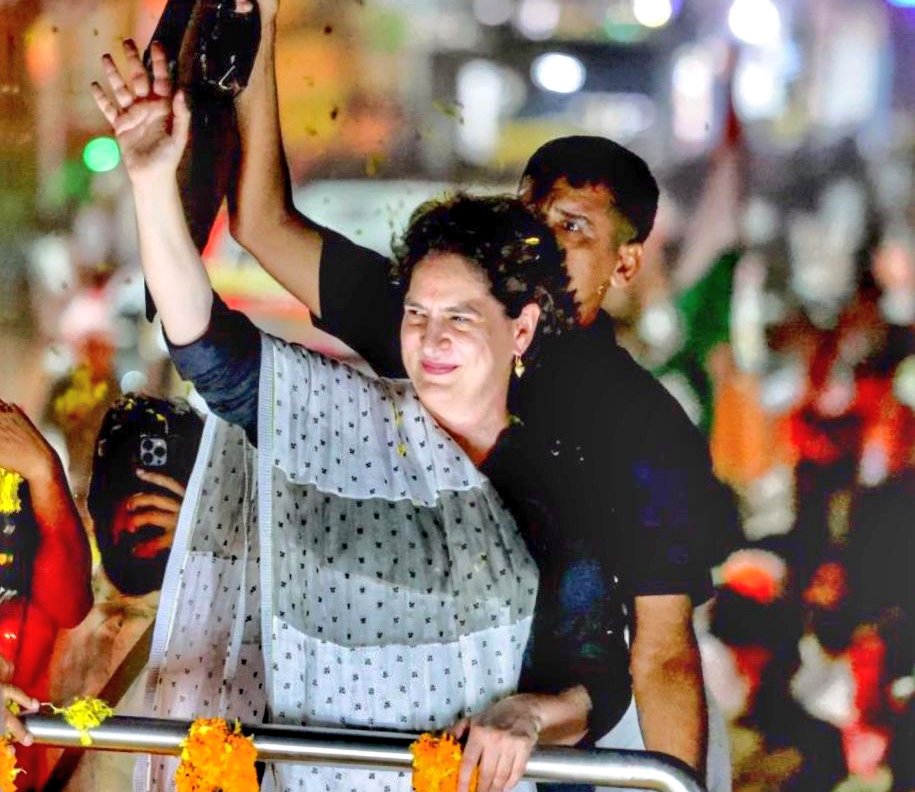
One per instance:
(371, 749)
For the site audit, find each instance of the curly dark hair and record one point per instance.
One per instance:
(512, 247)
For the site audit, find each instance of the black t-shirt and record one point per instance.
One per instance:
(610, 481)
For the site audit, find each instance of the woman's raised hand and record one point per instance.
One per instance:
(150, 122)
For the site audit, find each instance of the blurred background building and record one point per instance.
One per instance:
(777, 303)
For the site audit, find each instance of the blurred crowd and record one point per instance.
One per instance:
(811, 643)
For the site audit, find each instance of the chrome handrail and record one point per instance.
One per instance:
(372, 749)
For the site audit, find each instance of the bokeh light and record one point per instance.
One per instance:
(652, 13)
(493, 12)
(558, 73)
(538, 19)
(755, 21)
(101, 154)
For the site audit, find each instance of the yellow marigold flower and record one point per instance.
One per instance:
(10, 502)
(8, 769)
(80, 399)
(84, 714)
(215, 757)
(436, 760)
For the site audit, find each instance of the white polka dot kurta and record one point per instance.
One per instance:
(387, 578)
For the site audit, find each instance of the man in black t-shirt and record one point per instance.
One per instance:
(616, 466)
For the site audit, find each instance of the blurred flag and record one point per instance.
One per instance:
(704, 273)
(715, 224)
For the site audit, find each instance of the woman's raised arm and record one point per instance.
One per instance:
(151, 125)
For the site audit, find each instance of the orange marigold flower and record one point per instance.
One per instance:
(8, 769)
(436, 760)
(216, 758)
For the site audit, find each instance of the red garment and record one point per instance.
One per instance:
(27, 638)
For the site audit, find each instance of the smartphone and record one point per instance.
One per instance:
(153, 451)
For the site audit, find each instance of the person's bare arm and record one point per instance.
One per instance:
(61, 587)
(667, 679)
(262, 217)
(151, 125)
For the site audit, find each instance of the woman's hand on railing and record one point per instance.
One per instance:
(150, 121)
(500, 740)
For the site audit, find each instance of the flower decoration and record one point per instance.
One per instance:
(80, 399)
(216, 758)
(436, 759)
(84, 714)
(10, 502)
(8, 769)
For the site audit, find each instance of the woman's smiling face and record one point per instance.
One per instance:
(457, 341)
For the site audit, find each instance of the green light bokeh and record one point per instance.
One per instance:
(101, 154)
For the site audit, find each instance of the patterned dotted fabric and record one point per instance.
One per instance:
(393, 584)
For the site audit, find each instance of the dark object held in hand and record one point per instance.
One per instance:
(209, 45)
(226, 45)
(170, 454)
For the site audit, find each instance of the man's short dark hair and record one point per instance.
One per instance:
(512, 247)
(589, 160)
(171, 427)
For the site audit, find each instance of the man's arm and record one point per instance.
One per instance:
(262, 216)
(667, 679)
(345, 286)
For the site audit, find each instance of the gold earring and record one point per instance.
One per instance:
(519, 367)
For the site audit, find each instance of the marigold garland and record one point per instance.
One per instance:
(10, 503)
(215, 758)
(80, 399)
(8, 769)
(84, 714)
(436, 760)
